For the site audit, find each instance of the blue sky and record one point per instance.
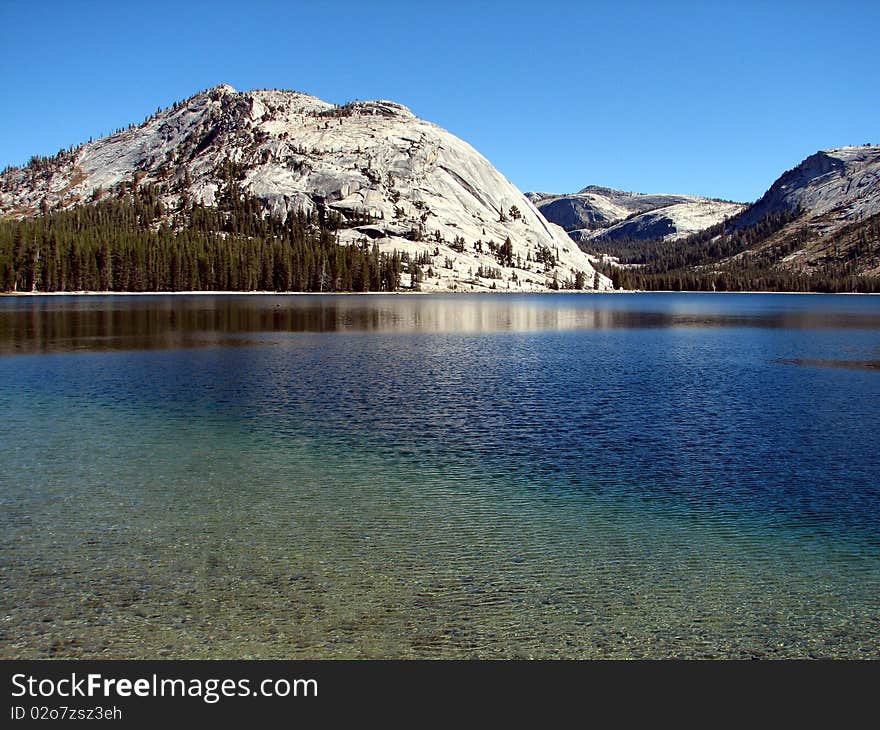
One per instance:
(707, 98)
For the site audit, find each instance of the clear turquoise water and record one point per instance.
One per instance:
(499, 476)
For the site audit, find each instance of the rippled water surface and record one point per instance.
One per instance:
(647, 475)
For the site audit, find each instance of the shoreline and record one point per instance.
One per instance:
(201, 292)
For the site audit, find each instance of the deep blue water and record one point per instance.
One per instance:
(541, 475)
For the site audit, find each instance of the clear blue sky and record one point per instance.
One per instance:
(693, 97)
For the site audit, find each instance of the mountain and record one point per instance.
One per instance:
(833, 200)
(831, 189)
(817, 228)
(385, 175)
(603, 214)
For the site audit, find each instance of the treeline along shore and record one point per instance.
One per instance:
(127, 243)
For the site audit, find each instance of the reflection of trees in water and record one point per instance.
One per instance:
(39, 324)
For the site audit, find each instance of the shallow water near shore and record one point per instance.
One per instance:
(651, 475)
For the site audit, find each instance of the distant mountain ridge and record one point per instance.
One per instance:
(598, 213)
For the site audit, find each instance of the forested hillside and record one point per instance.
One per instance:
(128, 242)
(759, 257)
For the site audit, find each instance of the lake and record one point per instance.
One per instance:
(561, 475)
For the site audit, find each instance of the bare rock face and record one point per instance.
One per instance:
(597, 213)
(398, 180)
(832, 189)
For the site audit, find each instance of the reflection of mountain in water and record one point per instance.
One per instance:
(129, 323)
